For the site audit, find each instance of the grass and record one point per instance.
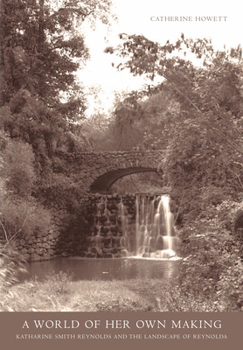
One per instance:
(60, 293)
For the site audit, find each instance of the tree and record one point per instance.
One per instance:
(42, 48)
(204, 138)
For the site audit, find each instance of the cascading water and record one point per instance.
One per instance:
(155, 236)
(122, 217)
(123, 229)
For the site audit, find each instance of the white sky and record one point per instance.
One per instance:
(134, 17)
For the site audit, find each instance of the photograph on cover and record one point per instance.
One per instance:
(122, 158)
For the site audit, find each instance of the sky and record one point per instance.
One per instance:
(146, 17)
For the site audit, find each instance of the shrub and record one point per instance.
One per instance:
(200, 271)
(21, 217)
(230, 287)
(59, 283)
(230, 214)
(18, 168)
(211, 267)
(212, 195)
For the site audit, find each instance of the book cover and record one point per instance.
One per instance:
(148, 79)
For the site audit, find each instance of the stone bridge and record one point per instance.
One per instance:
(91, 175)
(99, 170)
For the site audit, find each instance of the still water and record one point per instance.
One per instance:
(103, 269)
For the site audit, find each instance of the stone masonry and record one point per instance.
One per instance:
(91, 166)
(93, 173)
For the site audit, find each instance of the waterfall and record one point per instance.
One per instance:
(132, 225)
(155, 228)
(122, 215)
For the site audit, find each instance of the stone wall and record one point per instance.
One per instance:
(63, 241)
(40, 247)
(113, 233)
(113, 230)
(71, 226)
(110, 231)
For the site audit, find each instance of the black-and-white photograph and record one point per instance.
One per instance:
(121, 169)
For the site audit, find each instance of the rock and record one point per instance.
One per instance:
(107, 241)
(31, 250)
(24, 251)
(116, 241)
(65, 254)
(124, 252)
(120, 230)
(101, 206)
(34, 257)
(107, 223)
(98, 239)
(39, 251)
(26, 256)
(102, 218)
(104, 229)
(46, 256)
(109, 234)
(112, 218)
(108, 255)
(90, 255)
(22, 242)
(54, 235)
(114, 229)
(82, 254)
(118, 255)
(95, 250)
(113, 250)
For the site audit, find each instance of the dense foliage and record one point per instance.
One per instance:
(196, 117)
(42, 46)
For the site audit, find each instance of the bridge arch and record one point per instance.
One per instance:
(105, 181)
(97, 171)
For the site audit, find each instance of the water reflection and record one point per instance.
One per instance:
(103, 269)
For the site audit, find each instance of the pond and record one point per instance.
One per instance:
(103, 269)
